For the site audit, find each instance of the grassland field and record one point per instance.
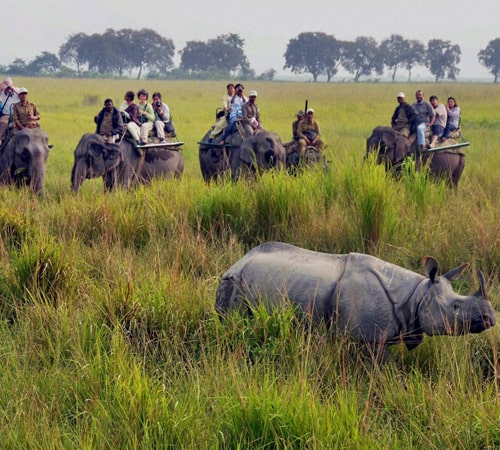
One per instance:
(108, 334)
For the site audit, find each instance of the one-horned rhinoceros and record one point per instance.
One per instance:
(373, 301)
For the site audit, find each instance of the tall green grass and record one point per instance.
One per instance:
(108, 334)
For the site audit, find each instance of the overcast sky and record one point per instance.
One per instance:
(266, 26)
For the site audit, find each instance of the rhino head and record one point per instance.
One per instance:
(444, 312)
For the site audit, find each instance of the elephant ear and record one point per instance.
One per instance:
(112, 151)
(96, 149)
(247, 153)
(7, 160)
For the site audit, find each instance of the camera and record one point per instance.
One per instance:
(158, 104)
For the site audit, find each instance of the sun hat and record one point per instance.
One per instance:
(253, 94)
(401, 94)
(310, 110)
(22, 91)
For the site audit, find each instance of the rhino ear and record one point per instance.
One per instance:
(431, 267)
(455, 273)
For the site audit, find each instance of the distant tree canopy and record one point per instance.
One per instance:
(116, 52)
(441, 58)
(314, 53)
(321, 54)
(145, 52)
(223, 54)
(489, 57)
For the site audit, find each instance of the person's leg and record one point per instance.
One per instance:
(302, 147)
(229, 129)
(421, 127)
(133, 129)
(160, 129)
(146, 127)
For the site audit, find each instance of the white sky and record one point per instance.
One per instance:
(266, 26)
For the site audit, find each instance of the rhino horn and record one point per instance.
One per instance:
(481, 293)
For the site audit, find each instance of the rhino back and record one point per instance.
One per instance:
(274, 271)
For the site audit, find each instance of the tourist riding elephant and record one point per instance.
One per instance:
(24, 159)
(393, 147)
(257, 153)
(121, 163)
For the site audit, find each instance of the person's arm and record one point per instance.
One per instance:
(149, 113)
(118, 123)
(166, 113)
(36, 114)
(16, 118)
(300, 132)
(432, 116)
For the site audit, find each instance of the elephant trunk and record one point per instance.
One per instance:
(78, 174)
(38, 180)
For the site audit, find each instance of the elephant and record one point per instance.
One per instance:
(121, 163)
(393, 147)
(295, 162)
(240, 157)
(24, 159)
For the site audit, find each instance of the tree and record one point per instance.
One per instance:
(315, 53)
(150, 50)
(413, 56)
(362, 57)
(71, 52)
(441, 58)
(43, 64)
(18, 67)
(393, 51)
(223, 54)
(489, 57)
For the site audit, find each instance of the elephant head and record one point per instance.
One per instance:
(216, 160)
(392, 147)
(95, 158)
(262, 151)
(24, 159)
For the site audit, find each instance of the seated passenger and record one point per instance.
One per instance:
(26, 114)
(162, 121)
(295, 124)
(440, 119)
(109, 122)
(222, 115)
(453, 121)
(131, 113)
(251, 115)
(404, 118)
(146, 115)
(8, 98)
(309, 133)
(237, 102)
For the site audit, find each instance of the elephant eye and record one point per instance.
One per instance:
(25, 155)
(456, 308)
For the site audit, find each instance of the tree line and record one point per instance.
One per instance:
(145, 52)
